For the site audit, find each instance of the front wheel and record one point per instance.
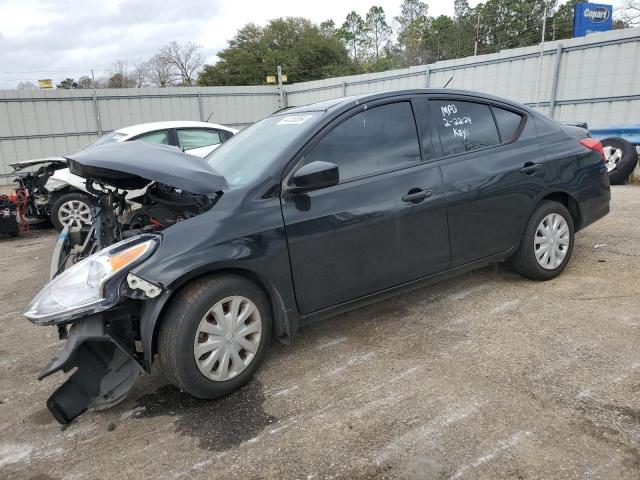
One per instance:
(547, 243)
(214, 335)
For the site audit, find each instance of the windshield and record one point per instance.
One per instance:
(247, 155)
(108, 138)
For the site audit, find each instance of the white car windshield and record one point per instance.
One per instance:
(248, 154)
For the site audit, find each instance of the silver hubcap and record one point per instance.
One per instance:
(227, 338)
(552, 241)
(74, 213)
(612, 155)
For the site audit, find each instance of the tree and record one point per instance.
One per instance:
(186, 59)
(413, 24)
(512, 23)
(631, 13)
(296, 44)
(119, 76)
(160, 72)
(26, 85)
(85, 82)
(68, 84)
(328, 28)
(352, 33)
(377, 30)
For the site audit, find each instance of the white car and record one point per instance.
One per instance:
(65, 198)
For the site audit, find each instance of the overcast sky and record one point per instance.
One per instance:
(66, 38)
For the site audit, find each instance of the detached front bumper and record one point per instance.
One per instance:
(106, 370)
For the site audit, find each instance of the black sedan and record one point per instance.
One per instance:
(311, 212)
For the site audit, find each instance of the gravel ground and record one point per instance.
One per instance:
(487, 375)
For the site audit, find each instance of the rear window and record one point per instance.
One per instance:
(464, 126)
(508, 123)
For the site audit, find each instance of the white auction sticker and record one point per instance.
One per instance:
(294, 120)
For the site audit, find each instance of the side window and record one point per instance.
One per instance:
(376, 140)
(464, 126)
(508, 123)
(155, 137)
(191, 138)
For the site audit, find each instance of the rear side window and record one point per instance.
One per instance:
(161, 136)
(508, 123)
(376, 140)
(197, 138)
(464, 126)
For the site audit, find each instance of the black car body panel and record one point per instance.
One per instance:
(323, 252)
(111, 164)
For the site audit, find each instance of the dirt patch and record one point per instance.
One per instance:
(220, 424)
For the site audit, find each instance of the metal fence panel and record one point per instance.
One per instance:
(596, 79)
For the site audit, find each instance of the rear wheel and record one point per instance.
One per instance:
(621, 158)
(547, 243)
(214, 335)
(72, 210)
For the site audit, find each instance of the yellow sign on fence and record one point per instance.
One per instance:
(271, 79)
(46, 83)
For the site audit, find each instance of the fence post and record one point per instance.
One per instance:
(280, 90)
(200, 107)
(427, 74)
(344, 89)
(96, 107)
(554, 85)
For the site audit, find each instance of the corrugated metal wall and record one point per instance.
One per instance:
(594, 79)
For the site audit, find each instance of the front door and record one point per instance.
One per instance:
(385, 222)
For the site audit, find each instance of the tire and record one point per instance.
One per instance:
(75, 201)
(525, 260)
(180, 334)
(621, 159)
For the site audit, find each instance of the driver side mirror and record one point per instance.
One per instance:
(314, 176)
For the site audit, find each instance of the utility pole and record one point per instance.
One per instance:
(553, 36)
(280, 89)
(95, 105)
(539, 81)
(475, 50)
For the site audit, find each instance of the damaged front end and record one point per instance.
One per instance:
(106, 367)
(96, 302)
(95, 305)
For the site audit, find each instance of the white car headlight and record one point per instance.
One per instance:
(54, 184)
(91, 285)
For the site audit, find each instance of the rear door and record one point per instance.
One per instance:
(366, 234)
(491, 175)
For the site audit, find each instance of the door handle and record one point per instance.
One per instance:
(416, 195)
(530, 168)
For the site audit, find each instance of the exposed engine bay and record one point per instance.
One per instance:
(114, 218)
(111, 172)
(32, 178)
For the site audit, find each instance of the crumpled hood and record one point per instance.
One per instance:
(133, 165)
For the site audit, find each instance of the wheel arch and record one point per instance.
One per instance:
(281, 326)
(569, 202)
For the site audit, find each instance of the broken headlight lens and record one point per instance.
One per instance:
(91, 285)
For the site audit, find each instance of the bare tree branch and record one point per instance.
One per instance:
(186, 59)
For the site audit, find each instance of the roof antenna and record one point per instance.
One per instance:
(448, 82)
(212, 114)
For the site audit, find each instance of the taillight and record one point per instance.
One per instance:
(595, 145)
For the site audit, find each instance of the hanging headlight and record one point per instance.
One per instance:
(91, 285)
